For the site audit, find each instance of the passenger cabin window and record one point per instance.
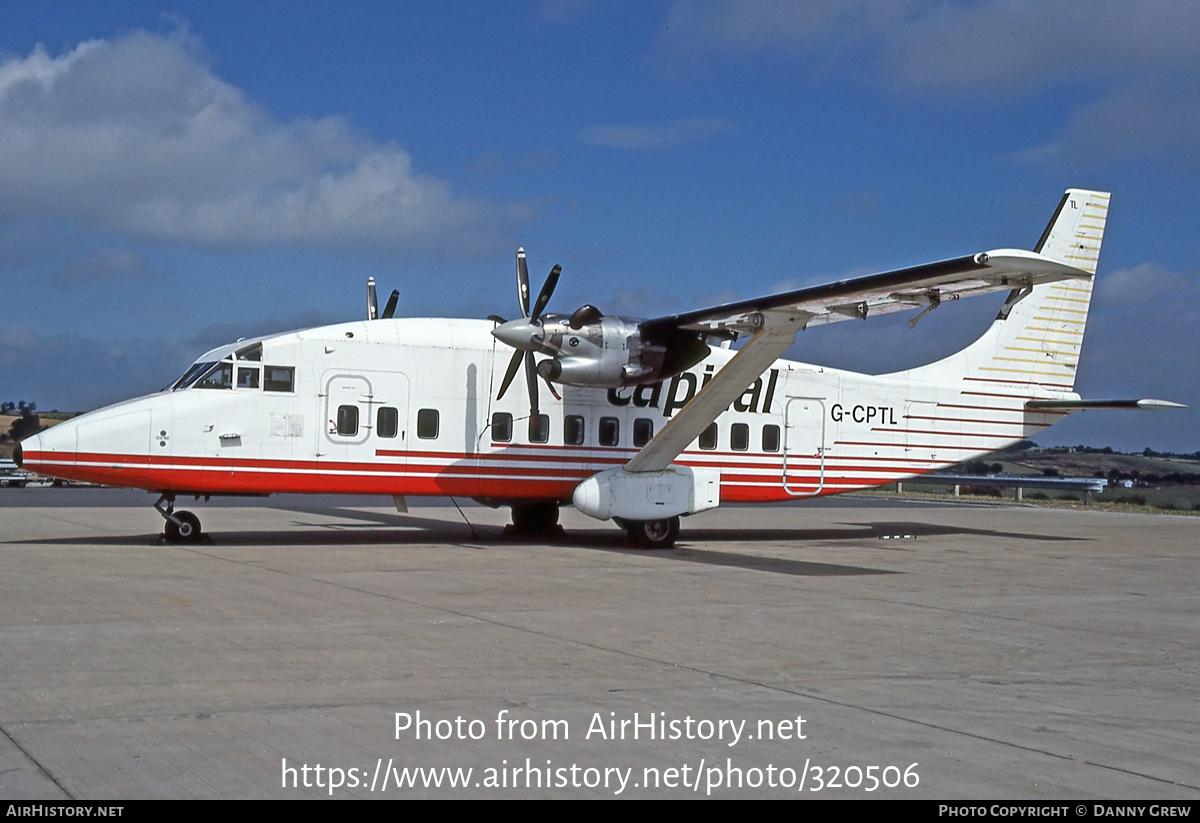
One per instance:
(501, 427)
(573, 430)
(387, 422)
(539, 428)
(610, 431)
(708, 437)
(427, 424)
(643, 430)
(770, 438)
(247, 378)
(347, 421)
(219, 377)
(739, 437)
(279, 378)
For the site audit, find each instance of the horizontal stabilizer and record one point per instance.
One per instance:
(1082, 405)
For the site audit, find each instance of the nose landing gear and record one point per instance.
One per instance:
(181, 526)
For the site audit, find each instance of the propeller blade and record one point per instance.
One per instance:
(531, 382)
(553, 391)
(495, 318)
(547, 290)
(522, 283)
(390, 308)
(513, 365)
(372, 302)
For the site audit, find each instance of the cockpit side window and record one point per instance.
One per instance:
(247, 378)
(219, 376)
(279, 378)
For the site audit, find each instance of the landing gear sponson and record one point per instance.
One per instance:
(181, 526)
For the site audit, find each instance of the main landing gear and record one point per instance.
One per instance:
(535, 519)
(540, 519)
(180, 527)
(651, 534)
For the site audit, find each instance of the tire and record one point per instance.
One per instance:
(187, 530)
(534, 518)
(653, 534)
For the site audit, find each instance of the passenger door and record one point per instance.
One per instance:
(366, 415)
(804, 446)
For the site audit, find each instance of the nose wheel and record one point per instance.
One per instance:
(181, 526)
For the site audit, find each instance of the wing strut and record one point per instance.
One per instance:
(763, 349)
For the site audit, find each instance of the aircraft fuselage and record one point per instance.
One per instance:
(407, 407)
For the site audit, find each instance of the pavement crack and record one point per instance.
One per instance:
(41, 766)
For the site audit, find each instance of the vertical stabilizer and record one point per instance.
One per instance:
(1032, 349)
(1040, 340)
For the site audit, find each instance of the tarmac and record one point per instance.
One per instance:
(861, 648)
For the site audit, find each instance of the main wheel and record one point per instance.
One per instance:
(653, 534)
(187, 530)
(534, 518)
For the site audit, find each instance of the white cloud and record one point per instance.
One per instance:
(653, 136)
(749, 26)
(104, 267)
(1136, 63)
(138, 136)
(1145, 283)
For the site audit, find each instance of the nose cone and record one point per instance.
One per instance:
(32, 444)
(31, 451)
(520, 334)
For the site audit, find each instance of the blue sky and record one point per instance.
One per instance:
(177, 175)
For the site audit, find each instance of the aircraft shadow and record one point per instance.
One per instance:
(373, 528)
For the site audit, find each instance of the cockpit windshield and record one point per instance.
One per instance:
(189, 376)
(220, 376)
(242, 368)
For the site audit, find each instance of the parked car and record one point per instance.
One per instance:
(11, 476)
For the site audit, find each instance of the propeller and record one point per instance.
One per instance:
(525, 334)
(390, 308)
(373, 302)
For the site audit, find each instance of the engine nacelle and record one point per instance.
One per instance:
(611, 352)
(648, 495)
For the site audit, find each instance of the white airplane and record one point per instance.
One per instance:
(650, 422)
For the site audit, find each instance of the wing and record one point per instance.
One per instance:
(901, 290)
(773, 322)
